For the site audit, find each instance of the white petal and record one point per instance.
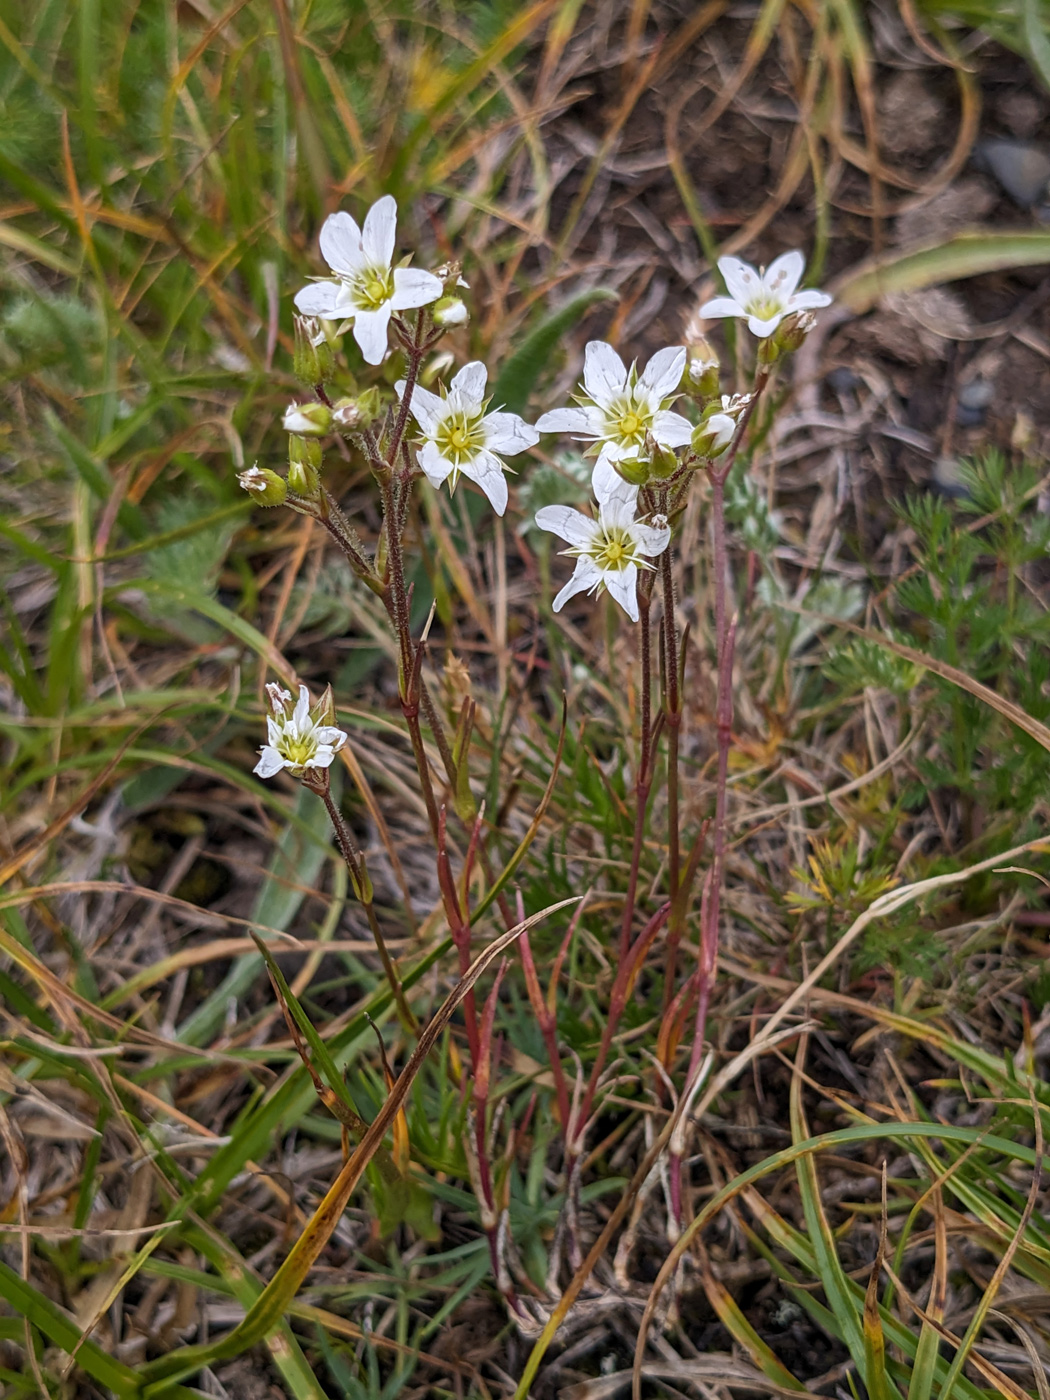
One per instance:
(341, 243)
(301, 713)
(321, 759)
(721, 306)
(427, 409)
(809, 300)
(764, 327)
(270, 762)
(506, 432)
(331, 737)
(469, 385)
(604, 373)
(671, 429)
(607, 483)
(486, 470)
(652, 539)
(414, 287)
(741, 279)
(273, 728)
(319, 299)
(622, 585)
(618, 512)
(380, 228)
(663, 373)
(585, 576)
(436, 467)
(565, 420)
(784, 274)
(568, 524)
(370, 333)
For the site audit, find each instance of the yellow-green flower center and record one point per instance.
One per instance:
(459, 437)
(628, 421)
(297, 751)
(613, 549)
(373, 287)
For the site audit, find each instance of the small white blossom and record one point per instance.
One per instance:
(299, 740)
(608, 551)
(460, 438)
(763, 296)
(619, 408)
(714, 435)
(308, 419)
(365, 288)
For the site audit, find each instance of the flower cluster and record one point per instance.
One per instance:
(644, 450)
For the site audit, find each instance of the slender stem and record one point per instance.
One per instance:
(355, 864)
(643, 781)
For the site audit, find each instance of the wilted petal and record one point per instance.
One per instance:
(506, 432)
(328, 734)
(341, 243)
(568, 524)
(486, 471)
(604, 373)
(565, 420)
(469, 385)
(270, 762)
(671, 429)
(741, 279)
(319, 299)
(414, 287)
(380, 230)
(663, 373)
(784, 274)
(721, 306)
(622, 585)
(585, 576)
(370, 329)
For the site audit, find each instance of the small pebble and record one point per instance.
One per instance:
(968, 417)
(977, 393)
(842, 379)
(1021, 168)
(946, 478)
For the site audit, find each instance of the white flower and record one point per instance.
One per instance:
(619, 408)
(764, 296)
(459, 437)
(608, 551)
(365, 288)
(299, 740)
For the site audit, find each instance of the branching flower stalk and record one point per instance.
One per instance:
(647, 459)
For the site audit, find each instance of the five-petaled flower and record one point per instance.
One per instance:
(460, 438)
(764, 296)
(299, 740)
(620, 408)
(608, 551)
(366, 289)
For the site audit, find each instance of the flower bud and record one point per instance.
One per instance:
(451, 275)
(353, 415)
(701, 377)
(662, 460)
(635, 472)
(450, 311)
(793, 330)
(308, 419)
(304, 467)
(713, 435)
(265, 486)
(313, 361)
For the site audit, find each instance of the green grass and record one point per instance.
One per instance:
(163, 174)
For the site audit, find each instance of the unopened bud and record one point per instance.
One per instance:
(352, 415)
(313, 361)
(304, 467)
(450, 311)
(713, 435)
(701, 378)
(793, 330)
(662, 460)
(308, 419)
(635, 471)
(265, 487)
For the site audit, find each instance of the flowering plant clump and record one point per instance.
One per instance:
(653, 434)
